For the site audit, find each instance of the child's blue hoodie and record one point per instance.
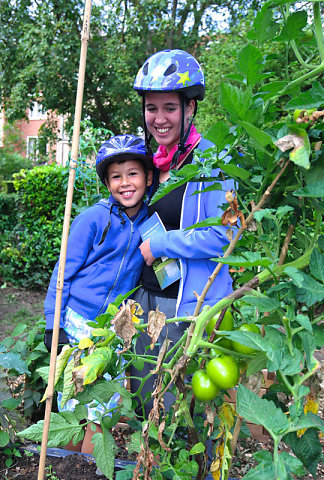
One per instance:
(96, 274)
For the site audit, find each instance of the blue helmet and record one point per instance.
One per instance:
(169, 71)
(119, 149)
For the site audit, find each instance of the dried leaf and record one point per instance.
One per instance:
(162, 352)
(228, 414)
(161, 441)
(232, 213)
(124, 325)
(253, 382)
(229, 196)
(311, 405)
(229, 234)
(234, 270)
(156, 321)
(210, 417)
(290, 141)
(92, 366)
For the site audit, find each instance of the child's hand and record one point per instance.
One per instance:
(63, 340)
(146, 252)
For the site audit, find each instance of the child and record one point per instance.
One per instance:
(103, 259)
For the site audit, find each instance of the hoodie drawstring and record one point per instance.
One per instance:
(121, 210)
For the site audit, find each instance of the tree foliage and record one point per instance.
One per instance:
(40, 44)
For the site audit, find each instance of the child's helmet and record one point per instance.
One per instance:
(121, 148)
(171, 70)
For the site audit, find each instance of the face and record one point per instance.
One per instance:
(127, 183)
(163, 117)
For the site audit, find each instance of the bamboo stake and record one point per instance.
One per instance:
(65, 232)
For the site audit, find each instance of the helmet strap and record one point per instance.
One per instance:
(147, 135)
(182, 148)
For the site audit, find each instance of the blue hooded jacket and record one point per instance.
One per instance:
(96, 274)
(195, 247)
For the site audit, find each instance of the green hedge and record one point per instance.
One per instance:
(33, 225)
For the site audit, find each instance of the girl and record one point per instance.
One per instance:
(171, 83)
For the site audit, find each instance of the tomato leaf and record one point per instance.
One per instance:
(258, 363)
(220, 135)
(250, 339)
(311, 291)
(307, 448)
(235, 171)
(177, 178)
(250, 62)
(316, 265)
(236, 102)
(264, 26)
(104, 452)
(262, 302)
(247, 259)
(68, 385)
(62, 430)
(292, 464)
(259, 137)
(209, 222)
(295, 23)
(313, 98)
(314, 190)
(261, 411)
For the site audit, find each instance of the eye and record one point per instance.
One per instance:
(150, 109)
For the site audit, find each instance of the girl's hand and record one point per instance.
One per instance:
(146, 252)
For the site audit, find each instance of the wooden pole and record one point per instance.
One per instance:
(66, 226)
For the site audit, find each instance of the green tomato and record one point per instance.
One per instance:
(203, 388)
(223, 342)
(226, 323)
(238, 347)
(223, 371)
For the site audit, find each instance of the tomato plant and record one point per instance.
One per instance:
(203, 387)
(223, 371)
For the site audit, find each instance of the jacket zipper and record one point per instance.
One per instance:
(180, 260)
(103, 308)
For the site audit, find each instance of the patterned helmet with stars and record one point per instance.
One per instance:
(171, 70)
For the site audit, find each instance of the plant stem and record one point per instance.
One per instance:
(318, 29)
(317, 71)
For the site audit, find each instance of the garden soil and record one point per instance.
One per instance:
(15, 301)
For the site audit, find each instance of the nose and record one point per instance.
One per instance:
(124, 180)
(159, 116)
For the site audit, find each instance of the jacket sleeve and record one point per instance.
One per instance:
(80, 242)
(196, 243)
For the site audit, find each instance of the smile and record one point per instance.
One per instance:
(163, 130)
(127, 194)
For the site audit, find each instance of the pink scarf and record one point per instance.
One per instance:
(162, 159)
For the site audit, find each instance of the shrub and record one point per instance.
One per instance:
(32, 244)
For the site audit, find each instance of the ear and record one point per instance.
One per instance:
(149, 179)
(107, 184)
(191, 107)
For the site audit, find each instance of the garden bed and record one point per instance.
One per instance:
(21, 305)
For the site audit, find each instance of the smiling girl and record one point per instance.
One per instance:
(171, 83)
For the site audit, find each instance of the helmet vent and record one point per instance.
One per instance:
(171, 69)
(136, 142)
(145, 68)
